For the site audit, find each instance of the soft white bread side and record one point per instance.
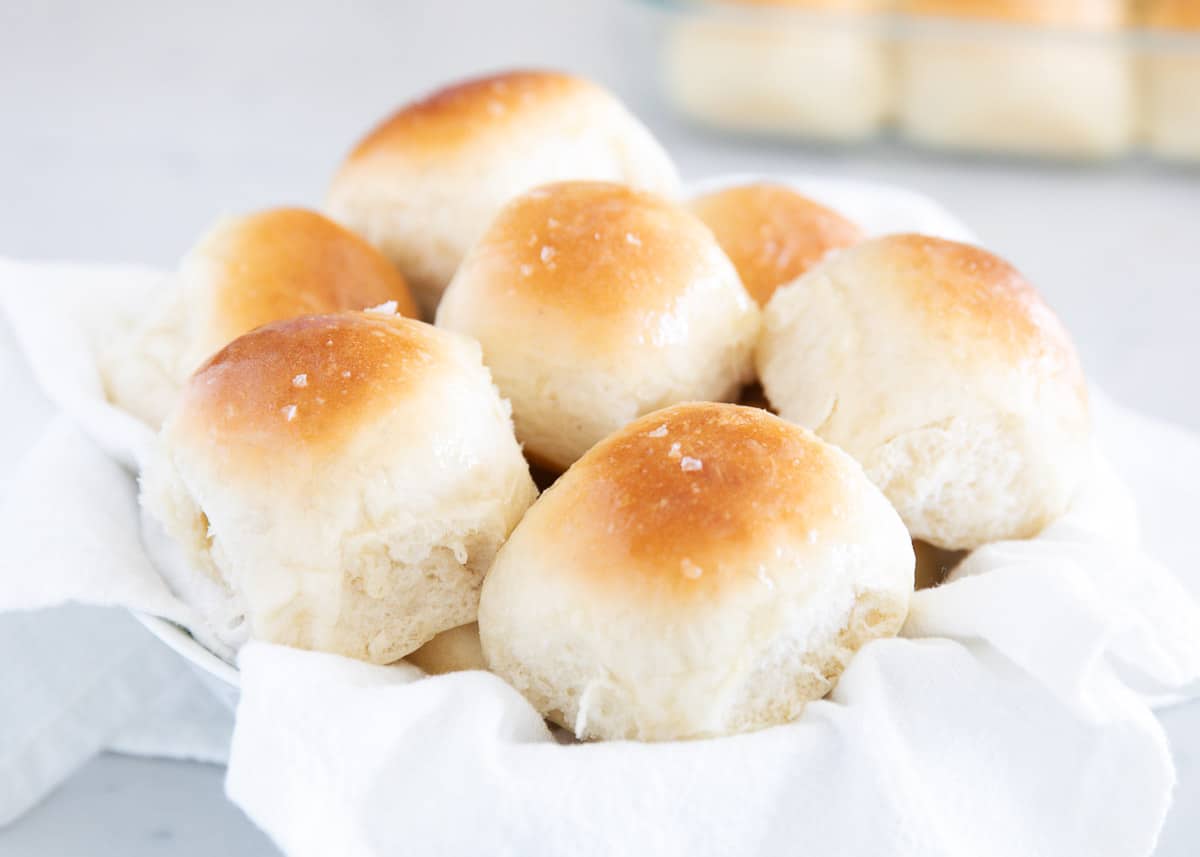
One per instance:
(346, 479)
(709, 569)
(1172, 76)
(456, 650)
(771, 233)
(245, 272)
(424, 184)
(941, 370)
(1064, 87)
(781, 70)
(596, 303)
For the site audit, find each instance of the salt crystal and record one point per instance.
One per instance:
(547, 254)
(300, 380)
(630, 238)
(661, 431)
(526, 270)
(691, 464)
(385, 308)
(674, 451)
(690, 570)
(345, 373)
(289, 412)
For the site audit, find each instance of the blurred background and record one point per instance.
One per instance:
(1066, 133)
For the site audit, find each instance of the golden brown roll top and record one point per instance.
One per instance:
(278, 264)
(595, 303)
(472, 114)
(687, 502)
(973, 300)
(424, 185)
(309, 382)
(603, 263)
(771, 233)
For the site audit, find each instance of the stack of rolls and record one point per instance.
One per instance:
(346, 479)
(805, 67)
(1066, 88)
(1173, 79)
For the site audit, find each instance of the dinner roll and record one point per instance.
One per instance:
(456, 650)
(1173, 79)
(793, 67)
(424, 185)
(596, 303)
(247, 271)
(771, 233)
(707, 570)
(1050, 77)
(939, 368)
(339, 482)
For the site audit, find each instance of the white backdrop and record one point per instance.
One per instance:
(126, 127)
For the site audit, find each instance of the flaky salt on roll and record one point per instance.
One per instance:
(424, 184)
(338, 483)
(941, 370)
(796, 67)
(1047, 77)
(1173, 79)
(707, 570)
(771, 233)
(596, 303)
(247, 271)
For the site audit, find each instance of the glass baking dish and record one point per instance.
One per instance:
(847, 70)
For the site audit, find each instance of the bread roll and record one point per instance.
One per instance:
(1173, 79)
(247, 271)
(771, 233)
(708, 569)
(338, 483)
(941, 370)
(595, 304)
(424, 184)
(1057, 83)
(456, 650)
(781, 70)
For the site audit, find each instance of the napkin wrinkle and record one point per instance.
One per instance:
(71, 513)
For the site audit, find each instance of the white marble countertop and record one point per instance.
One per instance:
(128, 126)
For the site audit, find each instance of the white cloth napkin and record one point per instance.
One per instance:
(1014, 719)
